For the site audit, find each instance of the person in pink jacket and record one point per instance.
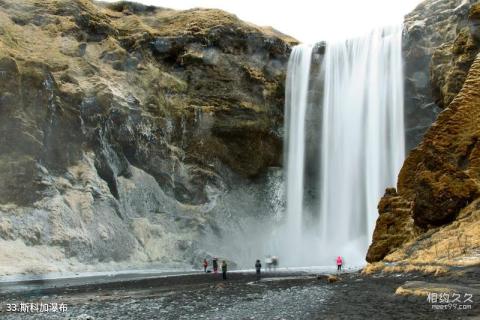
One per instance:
(339, 263)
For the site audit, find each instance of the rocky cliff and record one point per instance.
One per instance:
(430, 32)
(433, 217)
(124, 128)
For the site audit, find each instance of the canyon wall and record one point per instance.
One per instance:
(429, 33)
(136, 136)
(130, 134)
(433, 217)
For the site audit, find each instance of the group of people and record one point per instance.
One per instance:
(223, 266)
(270, 262)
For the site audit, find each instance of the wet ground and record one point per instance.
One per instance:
(279, 295)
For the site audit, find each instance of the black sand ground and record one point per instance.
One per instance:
(205, 296)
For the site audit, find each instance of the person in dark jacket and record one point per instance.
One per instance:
(274, 263)
(258, 267)
(224, 270)
(215, 265)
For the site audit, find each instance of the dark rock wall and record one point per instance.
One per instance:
(121, 125)
(434, 32)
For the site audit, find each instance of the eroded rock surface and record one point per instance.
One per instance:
(439, 182)
(123, 126)
(440, 179)
(437, 53)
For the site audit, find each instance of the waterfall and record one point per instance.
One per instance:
(296, 95)
(358, 137)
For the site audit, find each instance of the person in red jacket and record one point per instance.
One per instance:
(205, 265)
(339, 263)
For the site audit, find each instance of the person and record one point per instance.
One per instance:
(275, 262)
(258, 267)
(205, 265)
(268, 262)
(339, 263)
(215, 265)
(224, 270)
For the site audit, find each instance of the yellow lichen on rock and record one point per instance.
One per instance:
(440, 178)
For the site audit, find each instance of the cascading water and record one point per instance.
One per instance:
(360, 145)
(296, 95)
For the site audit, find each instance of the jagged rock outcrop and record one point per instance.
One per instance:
(434, 32)
(452, 60)
(439, 182)
(122, 126)
(394, 226)
(440, 178)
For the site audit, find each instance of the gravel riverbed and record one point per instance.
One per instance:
(297, 295)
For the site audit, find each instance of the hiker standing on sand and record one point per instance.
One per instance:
(205, 265)
(339, 263)
(258, 267)
(224, 270)
(215, 265)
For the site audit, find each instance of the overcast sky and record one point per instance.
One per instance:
(307, 20)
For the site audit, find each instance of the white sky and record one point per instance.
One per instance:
(306, 20)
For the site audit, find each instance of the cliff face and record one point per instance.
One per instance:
(123, 125)
(435, 214)
(435, 37)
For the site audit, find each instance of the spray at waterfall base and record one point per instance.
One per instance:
(343, 146)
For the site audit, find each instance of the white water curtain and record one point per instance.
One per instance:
(362, 144)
